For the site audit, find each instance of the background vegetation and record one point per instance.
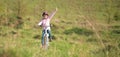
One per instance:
(80, 28)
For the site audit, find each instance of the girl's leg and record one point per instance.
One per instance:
(49, 32)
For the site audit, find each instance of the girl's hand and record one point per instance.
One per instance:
(56, 9)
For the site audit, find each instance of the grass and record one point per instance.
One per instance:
(73, 36)
(31, 48)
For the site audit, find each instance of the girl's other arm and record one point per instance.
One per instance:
(40, 23)
(53, 13)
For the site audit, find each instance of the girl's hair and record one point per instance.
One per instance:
(45, 13)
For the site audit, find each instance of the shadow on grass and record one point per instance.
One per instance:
(36, 36)
(115, 32)
(91, 40)
(39, 37)
(79, 31)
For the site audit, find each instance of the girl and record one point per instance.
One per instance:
(45, 23)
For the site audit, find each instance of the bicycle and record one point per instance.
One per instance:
(46, 40)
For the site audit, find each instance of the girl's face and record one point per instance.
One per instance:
(45, 16)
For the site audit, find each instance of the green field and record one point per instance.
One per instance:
(80, 28)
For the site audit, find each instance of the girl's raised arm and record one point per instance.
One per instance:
(53, 13)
